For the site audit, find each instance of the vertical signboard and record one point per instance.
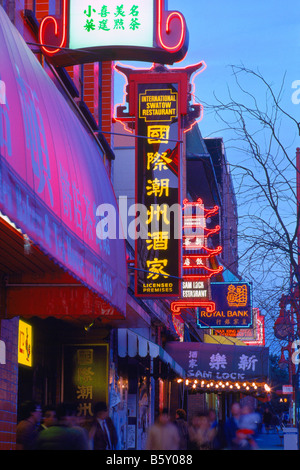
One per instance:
(25, 344)
(85, 376)
(158, 243)
(197, 257)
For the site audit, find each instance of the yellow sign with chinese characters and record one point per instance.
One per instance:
(158, 269)
(25, 344)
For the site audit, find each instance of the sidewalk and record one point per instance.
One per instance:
(270, 441)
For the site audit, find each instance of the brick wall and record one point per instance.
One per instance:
(196, 404)
(41, 9)
(107, 99)
(9, 385)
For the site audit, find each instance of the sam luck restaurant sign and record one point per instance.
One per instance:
(89, 31)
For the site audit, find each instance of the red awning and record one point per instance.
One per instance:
(52, 176)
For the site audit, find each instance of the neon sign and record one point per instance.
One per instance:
(191, 115)
(89, 31)
(25, 344)
(196, 258)
(233, 306)
(157, 189)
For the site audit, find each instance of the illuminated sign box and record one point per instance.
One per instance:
(91, 31)
(111, 23)
(233, 306)
(25, 344)
(157, 185)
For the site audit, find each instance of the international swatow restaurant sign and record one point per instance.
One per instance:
(157, 189)
(233, 306)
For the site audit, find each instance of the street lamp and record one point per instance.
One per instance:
(283, 327)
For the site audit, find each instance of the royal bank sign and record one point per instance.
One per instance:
(233, 306)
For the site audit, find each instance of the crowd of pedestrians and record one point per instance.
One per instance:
(204, 432)
(61, 429)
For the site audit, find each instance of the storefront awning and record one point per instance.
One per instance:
(52, 176)
(131, 344)
(220, 361)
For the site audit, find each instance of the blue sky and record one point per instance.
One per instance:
(259, 34)
(263, 34)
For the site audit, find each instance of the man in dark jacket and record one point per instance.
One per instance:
(231, 427)
(63, 435)
(103, 433)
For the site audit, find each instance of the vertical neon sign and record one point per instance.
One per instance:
(158, 190)
(196, 258)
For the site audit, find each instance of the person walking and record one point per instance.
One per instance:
(163, 435)
(267, 419)
(63, 435)
(201, 435)
(231, 426)
(49, 418)
(103, 434)
(182, 428)
(28, 428)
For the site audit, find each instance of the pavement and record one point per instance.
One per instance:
(275, 441)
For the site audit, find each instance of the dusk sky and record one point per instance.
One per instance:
(262, 35)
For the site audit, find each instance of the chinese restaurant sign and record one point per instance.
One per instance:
(221, 362)
(90, 30)
(114, 23)
(197, 256)
(233, 306)
(157, 189)
(254, 336)
(85, 376)
(25, 344)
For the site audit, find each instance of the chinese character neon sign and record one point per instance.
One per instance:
(111, 29)
(157, 189)
(197, 269)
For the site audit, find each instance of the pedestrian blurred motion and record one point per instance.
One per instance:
(65, 434)
(182, 427)
(28, 426)
(201, 434)
(163, 434)
(65, 428)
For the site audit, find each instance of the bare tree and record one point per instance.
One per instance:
(262, 139)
